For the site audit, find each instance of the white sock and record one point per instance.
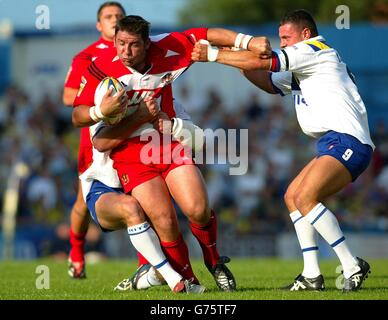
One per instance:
(308, 243)
(324, 221)
(145, 241)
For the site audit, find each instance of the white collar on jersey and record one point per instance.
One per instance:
(317, 38)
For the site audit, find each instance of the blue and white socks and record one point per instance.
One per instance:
(145, 241)
(308, 243)
(324, 221)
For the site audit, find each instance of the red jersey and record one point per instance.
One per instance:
(168, 57)
(82, 60)
(78, 67)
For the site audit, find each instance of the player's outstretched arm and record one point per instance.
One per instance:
(261, 79)
(110, 137)
(220, 37)
(245, 60)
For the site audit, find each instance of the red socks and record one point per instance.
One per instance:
(177, 254)
(77, 242)
(207, 238)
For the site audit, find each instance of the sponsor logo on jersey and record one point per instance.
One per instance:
(125, 179)
(102, 46)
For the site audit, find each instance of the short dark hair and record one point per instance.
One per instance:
(302, 18)
(109, 4)
(134, 24)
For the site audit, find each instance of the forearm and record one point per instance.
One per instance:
(261, 79)
(81, 117)
(245, 60)
(221, 37)
(110, 137)
(227, 38)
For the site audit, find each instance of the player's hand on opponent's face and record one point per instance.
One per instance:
(199, 53)
(163, 123)
(261, 46)
(114, 105)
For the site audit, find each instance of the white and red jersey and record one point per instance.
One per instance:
(168, 57)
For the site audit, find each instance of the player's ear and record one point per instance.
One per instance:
(147, 43)
(306, 33)
(98, 26)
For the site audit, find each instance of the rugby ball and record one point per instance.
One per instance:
(102, 88)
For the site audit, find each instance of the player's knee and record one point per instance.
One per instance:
(80, 208)
(198, 211)
(165, 222)
(302, 199)
(131, 211)
(289, 198)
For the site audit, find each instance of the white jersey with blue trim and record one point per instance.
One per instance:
(325, 95)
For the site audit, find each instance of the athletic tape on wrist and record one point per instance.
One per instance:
(93, 115)
(245, 41)
(212, 53)
(239, 38)
(99, 114)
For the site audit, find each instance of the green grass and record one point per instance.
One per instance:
(257, 279)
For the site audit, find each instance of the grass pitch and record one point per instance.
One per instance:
(257, 279)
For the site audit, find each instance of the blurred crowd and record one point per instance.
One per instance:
(41, 136)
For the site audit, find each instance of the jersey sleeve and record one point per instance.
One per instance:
(196, 34)
(78, 67)
(281, 82)
(299, 58)
(183, 42)
(89, 82)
